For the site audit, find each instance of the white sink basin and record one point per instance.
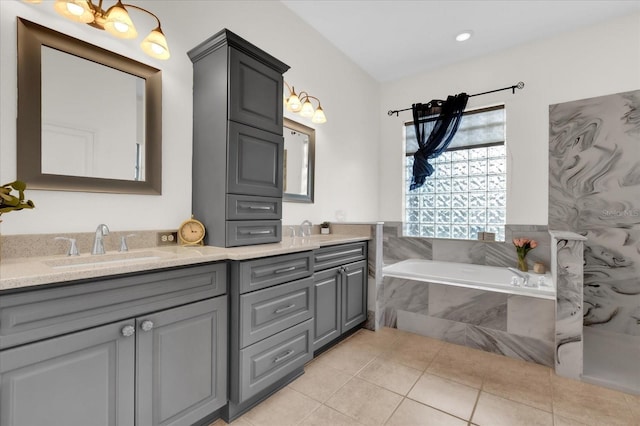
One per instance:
(104, 260)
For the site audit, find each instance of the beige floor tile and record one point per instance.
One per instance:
(520, 381)
(445, 395)
(495, 411)
(320, 381)
(460, 364)
(365, 402)
(381, 340)
(397, 378)
(348, 359)
(286, 407)
(590, 404)
(412, 413)
(634, 405)
(563, 421)
(414, 351)
(325, 416)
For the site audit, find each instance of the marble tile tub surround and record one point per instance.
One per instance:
(396, 247)
(520, 327)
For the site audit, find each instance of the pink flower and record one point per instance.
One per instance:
(533, 244)
(524, 245)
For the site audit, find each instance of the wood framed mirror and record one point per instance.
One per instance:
(299, 162)
(88, 119)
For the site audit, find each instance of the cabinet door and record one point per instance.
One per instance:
(327, 307)
(354, 294)
(256, 93)
(182, 363)
(84, 378)
(255, 161)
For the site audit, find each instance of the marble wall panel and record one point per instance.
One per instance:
(519, 347)
(531, 317)
(397, 248)
(567, 272)
(461, 251)
(594, 189)
(449, 331)
(467, 305)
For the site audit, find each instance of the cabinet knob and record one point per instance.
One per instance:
(128, 330)
(146, 325)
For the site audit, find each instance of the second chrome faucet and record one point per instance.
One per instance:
(98, 242)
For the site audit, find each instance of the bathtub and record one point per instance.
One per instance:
(481, 277)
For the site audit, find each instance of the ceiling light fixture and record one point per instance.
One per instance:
(464, 36)
(115, 20)
(302, 105)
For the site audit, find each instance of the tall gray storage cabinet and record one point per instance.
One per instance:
(238, 146)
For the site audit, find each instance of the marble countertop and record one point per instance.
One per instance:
(34, 271)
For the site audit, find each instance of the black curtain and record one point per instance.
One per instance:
(435, 123)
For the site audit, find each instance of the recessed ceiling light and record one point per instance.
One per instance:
(464, 36)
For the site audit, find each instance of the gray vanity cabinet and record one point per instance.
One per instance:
(340, 291)
(84, 378)
(271, 327)
(238, 148)
(147, 349)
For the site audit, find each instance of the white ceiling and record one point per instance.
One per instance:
(394, 39)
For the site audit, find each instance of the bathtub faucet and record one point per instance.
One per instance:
(523, 275)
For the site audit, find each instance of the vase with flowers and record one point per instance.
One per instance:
(524, 246)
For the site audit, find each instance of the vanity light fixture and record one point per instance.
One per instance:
(115, 20)
(302, 105)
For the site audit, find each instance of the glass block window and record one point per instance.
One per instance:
(467, 193)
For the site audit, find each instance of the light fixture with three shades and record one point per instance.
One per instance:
(115, 20)
(301, 103)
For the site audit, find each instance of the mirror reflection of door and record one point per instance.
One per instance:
(296, 146)
(92, 119)
(299, 158)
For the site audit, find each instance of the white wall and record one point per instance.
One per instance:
(595, 61)
(346, 146)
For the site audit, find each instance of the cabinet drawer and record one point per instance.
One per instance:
(265, 362)
(43, 313)
(328, 257)
(264, 313)
(248, 232)
(246, 207)
(268, 271)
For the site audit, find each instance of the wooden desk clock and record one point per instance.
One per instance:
(191, 233)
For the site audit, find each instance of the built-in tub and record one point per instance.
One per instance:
(481, 277)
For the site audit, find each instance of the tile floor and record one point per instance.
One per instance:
(393, 377)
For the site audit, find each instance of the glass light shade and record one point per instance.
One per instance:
(318, 116)
(293, 103)
(155, 45)
(32, 1)
(307, 109)
(119, 23)
(76, 10)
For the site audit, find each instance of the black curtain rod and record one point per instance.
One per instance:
(513, 88)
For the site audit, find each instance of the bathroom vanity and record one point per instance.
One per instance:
(178, 336)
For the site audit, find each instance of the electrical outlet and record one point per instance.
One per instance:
(167, 238)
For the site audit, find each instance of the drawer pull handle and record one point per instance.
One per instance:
(338, 254)
(128, 330)
(259, 232)
(260, 207)
(284, 356)
(283, 270)
(286, 308)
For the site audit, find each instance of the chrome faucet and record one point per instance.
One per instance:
(524, 276)
(305, 228)
(98, 242)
